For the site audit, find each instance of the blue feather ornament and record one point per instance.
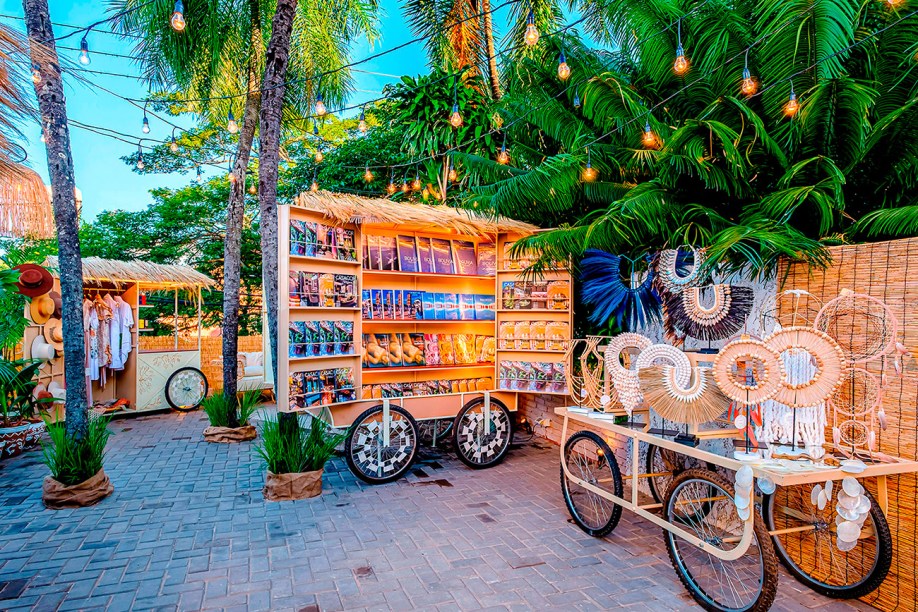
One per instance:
(604, 289)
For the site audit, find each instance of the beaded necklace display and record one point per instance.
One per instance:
(625, 380)
(726, 316)
(670, 266)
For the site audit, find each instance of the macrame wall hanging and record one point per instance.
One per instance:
(783, 425)
(827, 358)
(697, 402)
(679, 268)
(687, 313)
(632, 303)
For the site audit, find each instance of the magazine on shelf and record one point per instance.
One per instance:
(466, 307)
(388, 302)
(311, 295)
(313, 338)
(439, 306)
(394, 346)
(366, 304)
(297, 240)
(346, 290)
(388, 253)
(484, 308)
(425, 256)
(464, 258)
(407, 254)
(451, 307)
(344, 239)
(373, 252)
(487, 259)
(441, 250)
(295, 288)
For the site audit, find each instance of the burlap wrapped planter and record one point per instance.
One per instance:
(87, 493)
(297, 485)
(228, 435)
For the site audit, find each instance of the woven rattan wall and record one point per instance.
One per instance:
(887, 271)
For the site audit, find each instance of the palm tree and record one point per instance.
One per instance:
(52, 105)
(737, 172)
(217, 64)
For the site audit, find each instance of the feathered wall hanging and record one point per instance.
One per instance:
(633, 305)
(686, 313)
(697, 402)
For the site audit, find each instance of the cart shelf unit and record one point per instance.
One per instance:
(377, 217)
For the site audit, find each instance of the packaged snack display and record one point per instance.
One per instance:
(414, 307)
(429, 306)
(535, 377)
(537, 335)
(388, 304)
(487, 349)
(556, 335)
(521, 333)
(450, 306)
(431, 349)
(507, 335)
(507, 295)
(321, 387)
(521, 299)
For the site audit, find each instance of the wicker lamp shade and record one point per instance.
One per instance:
(25, 205)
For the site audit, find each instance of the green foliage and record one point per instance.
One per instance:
(16, 387)
(73, 461)
(12, 307)
(220, 409)
(289, 448)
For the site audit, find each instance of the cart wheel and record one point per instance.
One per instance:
(479, 444)
(441, 427)
(668, 464)
(746, 584)
(589, 458)
(186, 389)
(369, 457)
(811, 554)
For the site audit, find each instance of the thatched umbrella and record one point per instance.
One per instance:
(25, 205)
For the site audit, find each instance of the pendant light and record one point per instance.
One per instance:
(455, 119)
(451, 174)
(362, 125)
(531, 37)
(36, 74)
(681, 65)
(405, 186)
(178, 17)
(197, 178)
(792, 106)
(231, 126)
(84, 51)
(503, 157)
(648, 138)
(589, 173)
(416, 184)
(576, 99)
(391, 188)
(320, 106)
(145, 128)
(367, 175)
(314, 187)
(748, 85)
(140, 164)
(564, 71)
(253, 189)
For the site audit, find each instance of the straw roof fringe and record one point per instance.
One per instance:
(25, 206)
(97, 270)
(348, 208)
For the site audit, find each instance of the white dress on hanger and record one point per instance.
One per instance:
(125, 318)
(114, 333)
(91, 323)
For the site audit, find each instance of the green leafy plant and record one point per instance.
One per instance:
(220, 410)
(288, 448)
(12, 306)
(72, 460)
(17, 401)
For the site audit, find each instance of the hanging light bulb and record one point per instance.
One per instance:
(314, 187)
(649, 139)
(416, 183)
(36, 74)
(426, 193)
(43, 139)
(455, 119)
(232, 177)
(362, 125)
(576, 99)
(391, 188)
(452, 175)
(146, 124)
(178, 17)
(405, 186)
(84, 52)
(748, 86)
(564, 71)
(503, 158)
(197, 177)
(531, 37)
(231, 126)
(140, 164)
(367, 175)
(320, 106)
(253, 189)
(319, 156)
(792, 106)
(681, 65)
(173, 146)
(315, 129)
(589, 173)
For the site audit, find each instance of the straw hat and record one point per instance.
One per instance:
(54, 334)
(42, 350)
(56, 297)
(57, 391)
(34, 280)
(40, 392)
(41, 309)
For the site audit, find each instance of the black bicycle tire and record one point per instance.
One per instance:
(617, 485)
(175, 406)
(348, 446)
(478, 401)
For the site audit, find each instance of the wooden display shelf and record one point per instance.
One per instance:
(532, 350)
(521, 271)
(325, 308)
(323, 357)
(565, 311)
(309, 258)
(426, 275)
(431, 368)
(423, 321)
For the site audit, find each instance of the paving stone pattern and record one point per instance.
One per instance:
(187, 529)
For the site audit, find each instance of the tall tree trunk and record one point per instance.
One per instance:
(53, 109)
(232, 247)
(272, 102)
(489, 45)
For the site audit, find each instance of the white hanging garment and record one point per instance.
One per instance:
(114, 333)
(126, 323)
(91, 322)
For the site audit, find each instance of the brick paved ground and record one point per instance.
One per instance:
(187, 528)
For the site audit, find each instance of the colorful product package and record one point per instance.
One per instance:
(327, 337)
(507, 335)
(425, 256)
(399, 304)
(559, 295)
(344, 337)
(440, 306)
(296, 347)
(451, 306)
(309, 230)
(429, 310)
(524, 375)
(366, 392)
(487, 259)
(297, 242)
(413, 350)
(377, 304)
(313, 338)
(366, 256)
(388, 253)
(487, 351)
(484, 307)
(327, 290)
(377, 346)
(311, 295)
(507, 295)
(414, 307)
(395, 349)
(325, 242)
(559, 380)
(521, 300)
(442, 255)
(521, 332)
(537, 335)
(407, 254)
(542, 374)
(464, 257)
(447, 356)
(346, 250)
(466, 307)
(538, 294)
(431, 349)
(373, 251)
(419, 388)
(295, 289)
(366, 305)
(345, 290)
(504, 373)
(295, 390)
(388, 301)
(556, 334)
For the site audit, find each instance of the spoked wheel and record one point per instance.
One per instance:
(589, 458)
(379, 452)
(746, 584)
(482, 440)
(668, 464)
(808, 547)
(435, 431)
(186, 389)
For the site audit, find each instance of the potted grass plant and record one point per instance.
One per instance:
(229, 418)
(77, 478)
(295, 457)
(20, 428)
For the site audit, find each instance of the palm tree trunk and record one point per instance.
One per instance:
(272, 99)
(53, 108)
(489, 45)
(232, 247)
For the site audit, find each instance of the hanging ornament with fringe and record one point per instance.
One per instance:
(698, 402)
(727, 314)
(633, 305)
(679, 268)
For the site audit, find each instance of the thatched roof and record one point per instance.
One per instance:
(356, 209)
(164, 276)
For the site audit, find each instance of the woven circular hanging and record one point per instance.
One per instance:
(668, 269)
(756, 364)
(682, 367)
(857, 393)
(863, 326)
(723, 318)
(697, 402)
(828, 357)
(624, 379)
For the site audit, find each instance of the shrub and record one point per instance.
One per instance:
(16, 387)
(73, 461)
(286, 447)
(219, 408)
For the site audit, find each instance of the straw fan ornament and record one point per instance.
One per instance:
(633, 303)
(726, 315)
(679, 268)
(698, 401)
(625, 380)
(823, 352)
(748, 371)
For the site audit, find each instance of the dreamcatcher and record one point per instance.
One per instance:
(863, 326)
(793, 308)
(856, 411)
(726, 315)
(633, 304)
(679, 268)
(696, 402)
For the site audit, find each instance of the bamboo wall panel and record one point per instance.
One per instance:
(211, 350)
(887, 271)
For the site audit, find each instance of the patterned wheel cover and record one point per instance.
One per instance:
(480, 442)
(187, 389)
(372, 456)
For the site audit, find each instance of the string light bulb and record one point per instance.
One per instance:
(197, 177)
(320, 105)
(42, 138)
(146, 124)
(84, 52)
(231, 126)
(231, 175)
(503, 158)
(173, 146)
(319, 156)
(140, 164)
(36, 74)
(405, 186)
(178, 17)
(362, 125)
(416, 183)
(792, 106)
(648, 138)
(455, 119)
(531, 37)
(391, 188)
(576, 99)
(314, 187)
(564, 71)
(253, 189)
(681, 65)
(367, 175)
(748, 86)
(589, 173)
(452, 175)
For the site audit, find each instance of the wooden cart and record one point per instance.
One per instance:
(390, 409)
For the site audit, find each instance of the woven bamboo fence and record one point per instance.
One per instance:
(887, 271)
(211, 351)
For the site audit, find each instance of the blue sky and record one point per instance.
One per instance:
(106, 182)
